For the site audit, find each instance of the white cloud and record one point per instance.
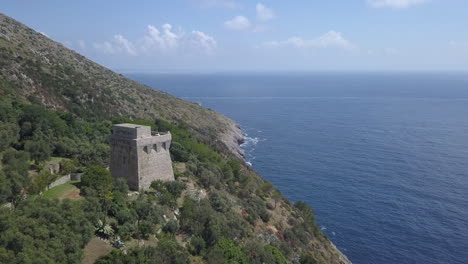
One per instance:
(105, 47)
(118, 44)
(327, 40)
(163, 40)
(395, 3)
(264, 13)
(238, 23)
(124, 44)
(203, 41)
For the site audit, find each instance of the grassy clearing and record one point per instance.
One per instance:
(62, 191)
(95, 249)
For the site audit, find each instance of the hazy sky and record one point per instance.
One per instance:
(220, 35)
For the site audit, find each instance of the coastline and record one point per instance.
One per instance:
(233, 138)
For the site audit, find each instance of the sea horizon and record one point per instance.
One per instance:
(369, 159)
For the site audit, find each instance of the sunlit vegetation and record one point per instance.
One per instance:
(220, 227)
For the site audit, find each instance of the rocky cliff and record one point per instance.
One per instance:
(37, 70)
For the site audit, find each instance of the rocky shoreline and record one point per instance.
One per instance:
(233, 138)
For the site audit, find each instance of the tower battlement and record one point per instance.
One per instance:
(140, 155)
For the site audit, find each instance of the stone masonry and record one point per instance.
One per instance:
(140, 156)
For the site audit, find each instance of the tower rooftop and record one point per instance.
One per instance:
(128, 125)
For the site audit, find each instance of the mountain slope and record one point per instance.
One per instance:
(37, 69)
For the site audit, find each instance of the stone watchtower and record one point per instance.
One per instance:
(140, 156)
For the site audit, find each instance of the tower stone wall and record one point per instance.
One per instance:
(140, 156)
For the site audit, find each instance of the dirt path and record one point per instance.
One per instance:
(73, 194)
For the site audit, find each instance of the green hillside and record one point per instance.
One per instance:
(56, 105)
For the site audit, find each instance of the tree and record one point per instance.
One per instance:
(172, 227)
(226, 251)
(39, 150)
(179, 153)
(44, 231)
(276, 195)
(267, 187)
(197, 244)
(41, 181)
(306, 211)
(175, 188)
(15, 169)
(67, 166)
(167, 251)
(9, 134)
(308, 259)
(98, 180)
(5, 188)
(259, 253)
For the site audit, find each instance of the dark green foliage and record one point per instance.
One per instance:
(5, 188)
(256, 208)
(308, 259)
(120, 185)
(68, 166)
(41, 181)
(220, 202)
(43, 231)
(212, 223)
(200, 219)
(179, 153)
(307, 214)
(167, 251)
(39, 150)
(259, 253)
(171, 227)
(9, 134)
(274, 255)
(197, 244)
(146, 211)
(15, 174)
(168, 192)
(43, 133)
(175, 188)
(226, 251)
(97, 181)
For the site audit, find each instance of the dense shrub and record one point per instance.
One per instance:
(97, 181)
(15, 174)
(43, 231)
(197, 244)
(171, 227)
(226, 251)
(167, 251)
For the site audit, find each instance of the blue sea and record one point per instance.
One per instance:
(381, 157)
